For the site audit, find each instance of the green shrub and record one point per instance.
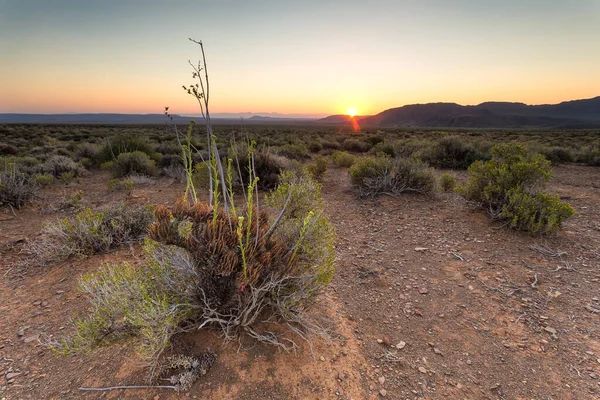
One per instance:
(90, 232)
(447, 182)
(589, 155)
(343, 159)
(558, 155)
(66, 177)
(42, 179)
(357, 146)
(136, 162)
(374, 175)
(125, 143)
(314, 146)
(318, 167)
(450, 152)
(509, 187)
(267, 167)
(8, 150)
(293, 151)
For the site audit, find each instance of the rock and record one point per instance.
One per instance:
(383, 392)
(30, 338)
(550, 330)
(469, 362)
(417, 312)
(420, 248)
(380, 341)
(437, 351)
(401, 345)
(322, 358)
(341, 376)
(386, 340)
(423, 290)
(12, 375)
(44, 304)
(422, 370)
(37, 303)
(381, 380)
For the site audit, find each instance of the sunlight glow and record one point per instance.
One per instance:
(352, 111)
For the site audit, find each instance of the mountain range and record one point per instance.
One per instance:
(568, 114)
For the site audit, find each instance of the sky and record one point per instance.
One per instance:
(306, 57)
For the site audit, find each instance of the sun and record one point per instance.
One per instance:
(352, 112)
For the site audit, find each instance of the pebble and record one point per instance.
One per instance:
(420, 248)
(341, 376)
(469, 362)
(422, 370)
(401, 345)
(437, 351)
(322, 358)
(383, 392)
(423, 290)
(12, 375)
(550, 330)
(381, 380)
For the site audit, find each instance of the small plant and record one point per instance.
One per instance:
(66, 177)
(90, 232)
(42, 179)
(451, 152)
(117, 145)
(133, 163)
(510, 187)
(15, 186)
(375, 175)
(342, 159)
(318, 167)
(59, 166)
(447, 182)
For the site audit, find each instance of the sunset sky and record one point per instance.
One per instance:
(294, 57)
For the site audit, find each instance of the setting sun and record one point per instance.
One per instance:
(352, 111)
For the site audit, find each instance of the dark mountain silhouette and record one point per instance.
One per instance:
(569, 114)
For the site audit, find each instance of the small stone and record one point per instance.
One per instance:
(44, 304)
(341, 376)
(386, 340)
(459, 386)
(469, 362)
(380, 341)
(401, 345)
(423, 290)
(550, 330)
(322, 358)
(12, 375)
(420, 248)
(37, 303)
(422, 370)
(383, 392)
(381, 380)
(437, 351)
(30, 338)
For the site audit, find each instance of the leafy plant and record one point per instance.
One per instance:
(343, 159)
(447, 182)
(133, 163)
(510, 187)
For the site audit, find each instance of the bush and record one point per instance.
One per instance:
(136, 162)
(589, 155)
(315, 146)
(450, 152)
(356, 146)
(318, 167)
(87, 150)
(375, 175)
(16, 189)
(58, 166)
(204, 267)
(8, 150)
(42, 179)
(293, 151)
(558, 155)
(91, 232)
(509, 187)
(125, 143)
(343, 159)
(447, 182)
(267, 167)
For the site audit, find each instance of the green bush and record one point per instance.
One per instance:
(136, 162)
(16, 188)
(315, 146)
(357, 146)
(42, 179)
(450, 152)
(8, 150)
(293, 151)
(374, 175)
(318, 167)
(509, 187)
(343, 159)
(125, 143)
(267, 167)
(447, 182)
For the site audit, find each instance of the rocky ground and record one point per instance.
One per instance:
(431, 300)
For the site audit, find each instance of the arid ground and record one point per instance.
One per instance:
(431, 300)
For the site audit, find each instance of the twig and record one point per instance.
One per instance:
(12, 210)
(535, 281)
(457, 255)
(128, 387)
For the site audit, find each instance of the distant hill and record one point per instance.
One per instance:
(569, 114)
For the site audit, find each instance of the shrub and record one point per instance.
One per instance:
(450, 152)
(293, 151)
(16, 189)
(318, 167)
(266, 166)
(136, 162)
(119, 144)
(315, 146)
(589, 155)
(42, 179)
(58, 166)
(447, 182)
(204, 266)
(343, 159)
(558, 155)
(509, 187)
(91, 232)
(8, 150)
(375, 175)
(356, 146)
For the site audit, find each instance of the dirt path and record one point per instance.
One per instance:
(479, 311)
